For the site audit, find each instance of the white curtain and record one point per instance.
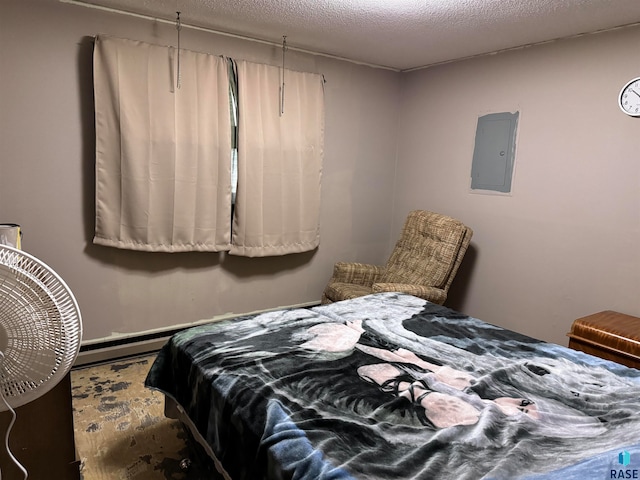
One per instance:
(163, 154)
(277, 207)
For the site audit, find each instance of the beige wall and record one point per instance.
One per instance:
(566, 243)
(563, 245)
(47, 179)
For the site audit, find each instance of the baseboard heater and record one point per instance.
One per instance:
(107, 350)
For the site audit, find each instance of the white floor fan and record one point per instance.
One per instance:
(40, 332)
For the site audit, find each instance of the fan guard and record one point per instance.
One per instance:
(40, 327)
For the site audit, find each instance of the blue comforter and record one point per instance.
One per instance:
(390, 386)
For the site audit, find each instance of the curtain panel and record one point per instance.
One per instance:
(163, 154)
(277, 208)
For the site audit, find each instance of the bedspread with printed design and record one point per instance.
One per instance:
(390, 386)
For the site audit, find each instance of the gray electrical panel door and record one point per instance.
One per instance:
(493, 155)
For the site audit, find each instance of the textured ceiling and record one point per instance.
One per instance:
(400, 34)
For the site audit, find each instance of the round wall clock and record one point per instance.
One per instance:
(629, 98)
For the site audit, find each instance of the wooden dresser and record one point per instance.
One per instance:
(42, 439)
(609, 335)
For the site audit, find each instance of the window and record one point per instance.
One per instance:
(209, 166)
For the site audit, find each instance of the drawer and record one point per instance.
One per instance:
(609, 335)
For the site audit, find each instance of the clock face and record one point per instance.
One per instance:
(629, 99)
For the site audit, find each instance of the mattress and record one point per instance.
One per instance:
(390, 386)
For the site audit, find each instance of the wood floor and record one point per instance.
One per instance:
(120, 428)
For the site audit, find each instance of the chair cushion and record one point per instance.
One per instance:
(422, 260)
(337, 291)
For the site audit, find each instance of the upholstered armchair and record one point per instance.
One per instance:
(423, 263)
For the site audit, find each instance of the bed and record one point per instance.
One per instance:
(390, 386)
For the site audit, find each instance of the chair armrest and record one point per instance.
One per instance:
(432, 294)
(358, 273)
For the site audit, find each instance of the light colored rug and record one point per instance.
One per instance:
(120, 428)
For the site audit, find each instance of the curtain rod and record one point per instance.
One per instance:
(81, 3)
